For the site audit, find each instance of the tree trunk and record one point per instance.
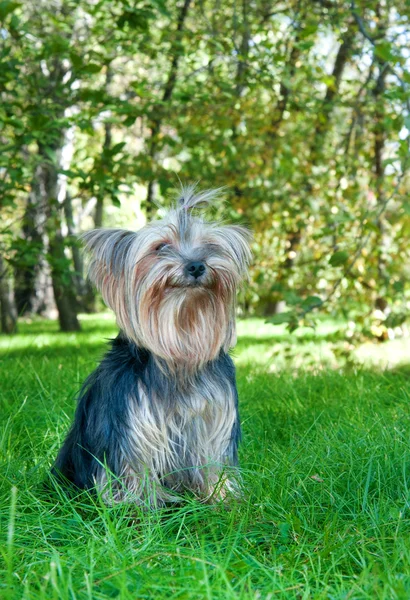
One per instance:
(382, 242)
(323, 122)
(99, 207)
(63, 290)
(175, 52)
(278, 305)
(33, 287)
(86, 296)
(61, 275)
(8, 312)
(240, 84)
(78, 262)
(285, 91)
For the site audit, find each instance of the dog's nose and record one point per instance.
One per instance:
(195, 268)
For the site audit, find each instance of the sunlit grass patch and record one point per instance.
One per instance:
(273, 348)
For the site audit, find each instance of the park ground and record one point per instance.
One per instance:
(325, 509)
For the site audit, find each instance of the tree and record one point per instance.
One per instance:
(299, 108)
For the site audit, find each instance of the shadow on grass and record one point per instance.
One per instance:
(43, 339)
(92, 349)
(403, 371)
(93, 338)
(288, 339)
(61, 345)
(52, 328)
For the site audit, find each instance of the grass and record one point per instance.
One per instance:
(326, 476)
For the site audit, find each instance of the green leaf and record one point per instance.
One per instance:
(279, 319)
(51, 154)
(56, 44)
(129, 121)
(339, 258)
(135, 19)
(311, 302)
(383, 51)
(68, 173)
(293, 325)
(292, 299)
(276, 287)
(92, 68)
(398, 286)
(161, 6)
(117, 148)
(7, 7)
(395, 319)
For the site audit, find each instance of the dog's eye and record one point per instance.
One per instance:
(161, 246)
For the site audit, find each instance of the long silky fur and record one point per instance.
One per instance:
(159, 416)
(151, 436)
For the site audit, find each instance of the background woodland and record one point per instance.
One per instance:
(300, 108)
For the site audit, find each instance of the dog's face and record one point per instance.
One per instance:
(172, 284)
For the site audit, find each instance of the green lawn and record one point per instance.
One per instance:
(326, 477)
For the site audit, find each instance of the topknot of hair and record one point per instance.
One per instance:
(190, 198)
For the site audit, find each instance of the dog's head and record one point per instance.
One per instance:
(172, 284)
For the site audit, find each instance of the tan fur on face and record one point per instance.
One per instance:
(185, 327)
(148, 289)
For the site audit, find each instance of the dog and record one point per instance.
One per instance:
(159, 416)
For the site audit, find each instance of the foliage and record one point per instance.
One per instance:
(324, 461)
(301, 109)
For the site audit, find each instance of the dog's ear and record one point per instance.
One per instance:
(235, 241)
(108, 250)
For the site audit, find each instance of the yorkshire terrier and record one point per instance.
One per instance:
(159, 416)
